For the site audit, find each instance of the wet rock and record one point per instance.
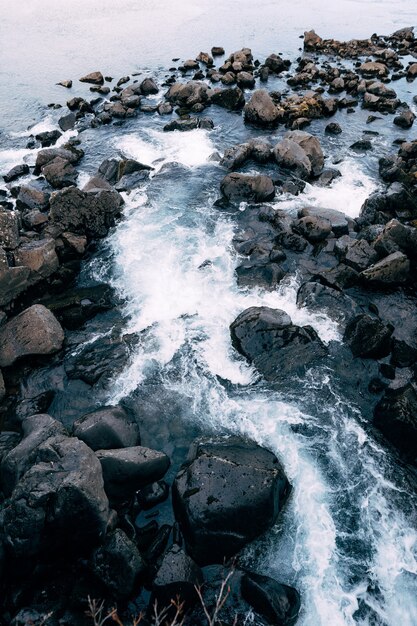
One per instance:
(368, 337)
(48, 138)
(128, 469)
(35, 430)
(217, 51)
(32, 198)
(245, 80)
(362, 145)
(85, 213)
(229, 492)
(165, 108)
(261, 150)
(360, 255)
(182, 125)
(328, 176)
(153, 494)
(267, 275)
(316, 297)
(39, 256)
(261, 109)
(313, 228)
(373, 68)
(276, 64)
(310, 146)
(276, 347)
(95, 78)
(236, 156)
(107, 428)
(405, 119)
(395, 416)
(16, 172)
(289, 155)
(149, 86)
(205, 58)
(177, 576)
(13, 282)
(392, 271)
(397, 236)
(35, 331)
(49, 154)
(59, 503)
(65, 83)
(279, 604)
(60, 173)
(232, 98)
(189, 94)
(403, 354)
(9, 229)
(118, 564)
(67, 122)
(237, 187)
(412, 71)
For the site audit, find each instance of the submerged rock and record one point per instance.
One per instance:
(229, 492)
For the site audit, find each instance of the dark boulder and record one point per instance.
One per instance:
(392, 271)
(94, 78)
(316, 297)
(85, 212)
(232, 98)
(405, 119)
(59, 503)
(266, 275)
(276, 63)
(66, 153)
(276, 347)
(313, 227)
(35, 430)
(35, 331)
(236, 156)
(149, 86)
(237, 187)
(368, 337)
(60, 173)
(279, 604)
(229, 492)
(48, 138)
(16, 172)
(67, 122)
(396, 417)
(177, 576)
(107, 428)
(128, 469)
(261, 110)
(118, 564)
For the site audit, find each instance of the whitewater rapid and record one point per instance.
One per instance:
(346, 538)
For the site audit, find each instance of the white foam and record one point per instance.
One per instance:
(191, 148)
(346, 193)
(45, 125)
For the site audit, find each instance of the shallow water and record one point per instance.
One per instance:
(347, 538)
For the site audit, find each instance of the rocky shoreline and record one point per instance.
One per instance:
(74, 473)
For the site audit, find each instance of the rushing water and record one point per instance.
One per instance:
(347, 538)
